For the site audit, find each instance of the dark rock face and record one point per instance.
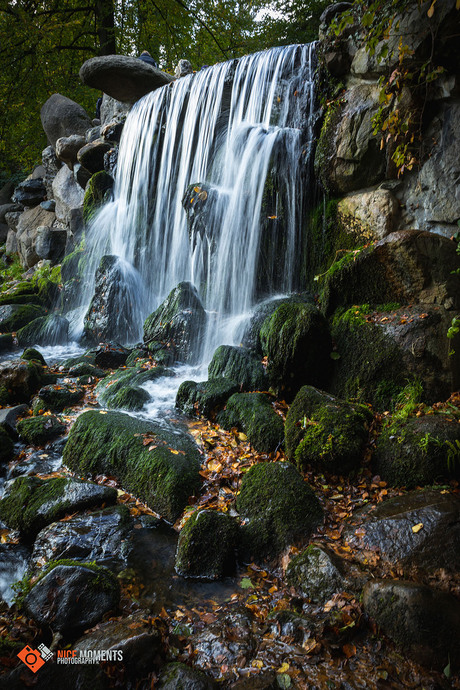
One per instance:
(19, 381)
(279, 508)
(57, 397)
(9, 417)
(32, 503)
(50, 243)
(62, 117)
(46, 330)
(207, 546)
(179, 321)
(239, 365)
(388, 530)
(204, 398)
(416, 452)
(68, 147)
(112, 443)
(71, 598)
(101, 537)
(91, 156)
(97, 193)
(38, 430)
(325, 432)
(254, 414)
(44, 461)
(229, 639)
(30, 192)
(177, 675)
(6, 446)
(116, 300)
(15, 316)
(317, 572)
(423, 622)
(123, 78)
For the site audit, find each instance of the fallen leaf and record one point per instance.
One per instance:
(417, 528)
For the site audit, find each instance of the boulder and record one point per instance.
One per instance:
(72, 597)
(19, 381)
(177, 675)
(405, 267)
(45, 330)
(204, 398)
(15, 316)
(251, 335)
(277, 508)
(57, 397)
(91, 156)
(30, 354)
(116, 303)
(98, 192)
(348, 155)
(227, 641)
(112, 131)
(7, 208)
(9, 417)
(67, 193)
(163, 473)
(418, 451)
(112, 109)
(29, 503)
(51, 166)
(373, 214)
(422, 622)
(6, 446)
(123, 389)
(296, 340)
(50, 243)
(325, 432)
(207, 546)
(62, 117)
(379, 348)
(254, 414)
(30, 192)
(68, 147)
(179, 321)
(124, 78)
(317, 572)
(388, 530)
(100, 537)
(27, 231)
(39, 430)
(42, 462)
(183, 68)
(240, 365)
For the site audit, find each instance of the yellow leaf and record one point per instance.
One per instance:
(431, 10)
(457, 5)
(417, 528)
(197, 189)
(102, 411)
(242, 437)
(283, 668)
(257, 663)
(176, 452)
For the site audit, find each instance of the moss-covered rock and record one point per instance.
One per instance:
(277, 507)
(205, 397)
(122, 389)
(57, 397)
(179, 676)
(45, 330)
(86, 369)
(31, 503)
(6, 342)
(163, 473)
(325, 432)
(180, 321)
(239, 365)
(207, 546)
(30, 354)
(254, 414)
(418, 451)
(297, 342)
(317, 572)
(21, 299)
(19, 381)
(39, 430)
(6, 446)
(98, 191)
(15, 316)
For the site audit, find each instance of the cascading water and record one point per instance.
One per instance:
(217, 143)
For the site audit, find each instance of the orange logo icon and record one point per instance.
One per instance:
(35, 658)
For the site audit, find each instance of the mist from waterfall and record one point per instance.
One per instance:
(211, 141)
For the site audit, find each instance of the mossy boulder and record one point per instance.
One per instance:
(418, 451)
(297, 342)
(325, 432)
(277, 508)
(30, 354)
(39, 430)
(122, 389)
(179, 321)
(205, 397)
(72, 596)
(317, 572)
(207, 546)
(86, 369)
(45, 330)
(19, 381)
(6, 446)
(98, 191)
(179, 676)
(31, 503)
(163, 473)
(15, 316)
(254, 414)
(57, 397)
(21, 299)
(240, 365)
(6, 342)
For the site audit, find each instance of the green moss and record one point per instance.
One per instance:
(6, 344)
(20, 315)
(6, 446)
(39, 430)
(206, 546)
(254, 414)
(278, 507)
(122, 390)
(163, 474)
(325, 151)
(30, 354)
(239, 365)
(20, 299)
(98, 191)
(205, 397)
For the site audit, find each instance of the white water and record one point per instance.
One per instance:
(225, 127)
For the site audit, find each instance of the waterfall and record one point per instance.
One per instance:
(212, 177)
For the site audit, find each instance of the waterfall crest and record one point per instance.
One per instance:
(211, 180)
